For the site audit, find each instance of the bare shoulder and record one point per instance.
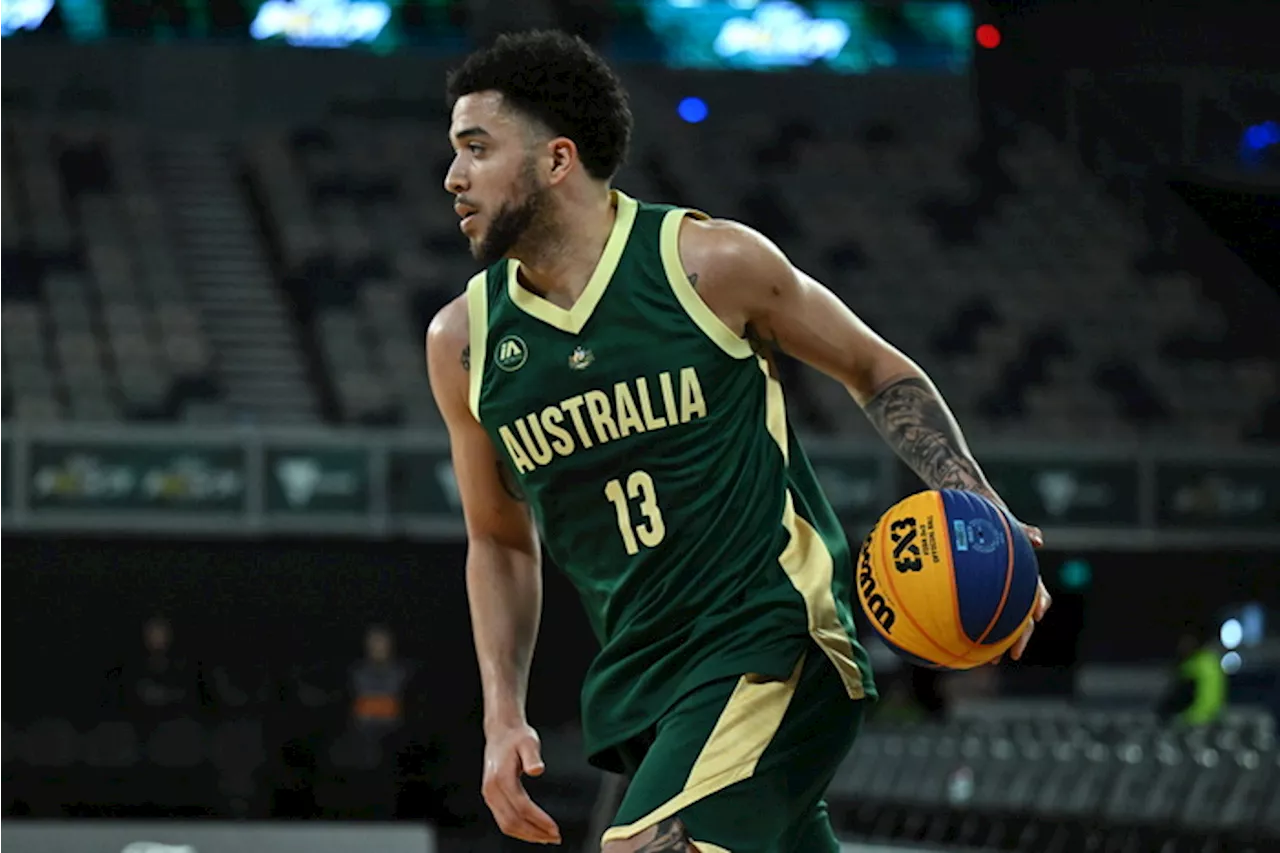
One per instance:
(449, 326)
(449, 352)
(733, 267)
(724, 245)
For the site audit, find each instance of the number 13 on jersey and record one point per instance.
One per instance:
(639, 488)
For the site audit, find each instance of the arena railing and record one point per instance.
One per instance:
(244, 481)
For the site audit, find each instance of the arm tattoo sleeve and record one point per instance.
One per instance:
(916, 423)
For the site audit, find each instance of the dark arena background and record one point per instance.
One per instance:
(232, 554)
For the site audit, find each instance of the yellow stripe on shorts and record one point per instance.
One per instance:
(744, 729)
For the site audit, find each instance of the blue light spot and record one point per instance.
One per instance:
(1260, 136)
(692, 110)
(1230, 634)
(1075, 574)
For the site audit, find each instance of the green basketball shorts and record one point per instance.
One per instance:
(744, 763)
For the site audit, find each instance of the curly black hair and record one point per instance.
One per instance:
(561, 82)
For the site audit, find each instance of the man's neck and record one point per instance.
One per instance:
(559, 266)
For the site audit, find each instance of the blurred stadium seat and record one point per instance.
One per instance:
(288, 275)
(1063, 768)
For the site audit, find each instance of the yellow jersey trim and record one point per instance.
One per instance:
(711, 325)
(477, 337)
(745, 728)
(810, 568)
(807, 562)
(573, 319)
(775, 409)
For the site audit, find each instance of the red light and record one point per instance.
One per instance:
(988, 36)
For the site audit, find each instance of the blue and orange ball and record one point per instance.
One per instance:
(948, 579)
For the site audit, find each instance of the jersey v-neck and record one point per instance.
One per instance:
(572, 320)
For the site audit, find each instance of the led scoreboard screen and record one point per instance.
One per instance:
(380, 25)
(331, 23)
(837, 36)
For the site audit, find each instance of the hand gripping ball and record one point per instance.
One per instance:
(948, 579)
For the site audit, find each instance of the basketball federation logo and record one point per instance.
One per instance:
(510, 354)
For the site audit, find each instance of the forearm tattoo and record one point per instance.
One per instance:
(916, 423)
(466, 357)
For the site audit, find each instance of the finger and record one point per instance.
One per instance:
(1043, 602)
(527, 816)
(1021, 646)
(512, 809)
(503, 815)
(498, 802)
(530, 757)
(1035, 535)
(533, 817)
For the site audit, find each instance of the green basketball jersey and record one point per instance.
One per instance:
(652, 445)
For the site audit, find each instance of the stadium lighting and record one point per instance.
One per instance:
(692, 110)
(1231, 634)
(988, 36)
(23, 15)
(1260, 136)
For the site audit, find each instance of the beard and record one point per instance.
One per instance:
(513, 221)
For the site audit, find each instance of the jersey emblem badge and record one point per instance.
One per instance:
(511, 353)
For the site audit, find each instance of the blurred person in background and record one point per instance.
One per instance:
(383, 751)
(378, 684)
(1198, 693)
(610, 390)
(157, 681)
(389, 713)
(352, 720)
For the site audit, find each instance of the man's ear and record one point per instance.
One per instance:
(564, 155)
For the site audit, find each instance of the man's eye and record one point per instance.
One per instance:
(475, 148)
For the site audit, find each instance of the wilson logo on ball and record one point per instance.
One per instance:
(875, 604)
(906, 553)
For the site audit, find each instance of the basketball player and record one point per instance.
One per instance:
(609, 394)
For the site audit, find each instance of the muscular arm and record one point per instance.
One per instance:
(915, 421)
(504, 572)
(755, 290)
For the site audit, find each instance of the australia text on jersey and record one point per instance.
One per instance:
(598, 417)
